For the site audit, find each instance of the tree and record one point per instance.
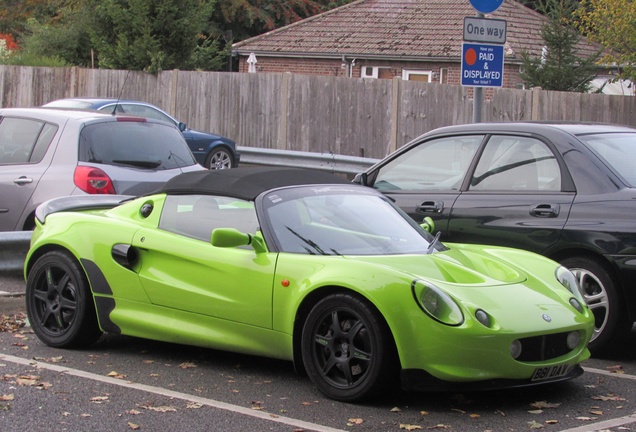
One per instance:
(559, 67)
(150, 35)
(612, 23)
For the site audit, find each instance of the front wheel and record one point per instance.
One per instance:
(347, 349)
(611, 324)
(59, 302)
(219, 158)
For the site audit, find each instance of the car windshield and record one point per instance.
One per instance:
(134, 143)
(331, 220)
(618, 150)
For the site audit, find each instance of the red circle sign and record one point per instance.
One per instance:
(470, 57)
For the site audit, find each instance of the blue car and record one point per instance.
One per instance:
(210, 150)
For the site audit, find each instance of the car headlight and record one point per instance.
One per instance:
(569, 281)
(437, 304)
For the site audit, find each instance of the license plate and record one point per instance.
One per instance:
(550, 372)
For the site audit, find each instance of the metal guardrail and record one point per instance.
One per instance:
(15, 244)
(13, 249)
(335, 163)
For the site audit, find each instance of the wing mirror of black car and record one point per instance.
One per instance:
(231, 237)
(182, 126)
(428, 224)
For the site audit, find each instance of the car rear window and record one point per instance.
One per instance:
(618, 150)
(134, 143)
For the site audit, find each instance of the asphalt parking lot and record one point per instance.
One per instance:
(124, 383)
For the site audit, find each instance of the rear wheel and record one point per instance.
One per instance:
(347, 349)
(219, 158)
(601, 295)
(59, 302)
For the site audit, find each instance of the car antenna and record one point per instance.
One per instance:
(120, 92)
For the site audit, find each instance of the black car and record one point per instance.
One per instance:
(566, 191)
(210, 150)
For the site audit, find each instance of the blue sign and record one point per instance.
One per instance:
(486, 6)
(482, 65)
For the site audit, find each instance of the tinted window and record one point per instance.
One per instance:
(145, 111)
(518, 164)
(436, 164)
(18, 137)
(197, 215)
(618, 150)
(134, 143)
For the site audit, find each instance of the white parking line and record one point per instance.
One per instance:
(608, 373)
(173, 394)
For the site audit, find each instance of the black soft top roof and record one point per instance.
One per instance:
(245, 182)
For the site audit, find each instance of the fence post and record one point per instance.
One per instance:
(396, 96)
(281, 144)
(174, 92)
(536, 104)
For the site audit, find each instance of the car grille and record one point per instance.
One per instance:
(545, 347)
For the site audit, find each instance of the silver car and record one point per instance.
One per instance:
(47, 153)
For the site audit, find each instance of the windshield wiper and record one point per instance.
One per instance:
(431, 246)
(139, 163)
(311, 243)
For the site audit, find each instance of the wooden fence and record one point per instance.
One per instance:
(349, 116)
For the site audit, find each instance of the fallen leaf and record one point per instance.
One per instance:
(133, 412)
(582, 418)
(396, 409)
(162, 409)
(355, 421)
(458, 410)
(596, 412)
(474, 416)
(424, 412)
(6, 398)
(535, 425)
(438, 426)
(193, 405)
(617, 369)
(99, 399)
(544, 404)
(551, 421)
(410, 427)
(187, 365)
(133, 426)
(538, 411)
(608, 397)
(114, 374)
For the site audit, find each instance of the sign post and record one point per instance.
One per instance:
(485, 31)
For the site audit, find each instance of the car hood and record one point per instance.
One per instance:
(461, 265)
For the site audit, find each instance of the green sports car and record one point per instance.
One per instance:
(303, 266)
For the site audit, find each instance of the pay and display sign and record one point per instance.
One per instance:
(482, 65)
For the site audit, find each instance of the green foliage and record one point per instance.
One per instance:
(613, 24)
(147, 35)
(22, 58)
(560, 68)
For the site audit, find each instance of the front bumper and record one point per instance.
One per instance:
(419, 380)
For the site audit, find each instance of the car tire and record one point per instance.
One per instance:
(219, 158)
(59, 302)
(611, 324)
(347, 349)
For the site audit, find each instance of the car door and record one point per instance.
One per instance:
(425, 178)
(180, 269)
(514, 197)
(23, 145)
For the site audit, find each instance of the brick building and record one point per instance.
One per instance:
(412, 39)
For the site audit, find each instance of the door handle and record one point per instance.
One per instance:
(23, 180)
(545, 210)
(430, 207)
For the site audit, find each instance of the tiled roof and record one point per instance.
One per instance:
(407, 29)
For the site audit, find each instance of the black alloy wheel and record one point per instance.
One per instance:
(347, 349)
(59, 302)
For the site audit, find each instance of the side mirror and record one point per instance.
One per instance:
(182, 126)
(231, 237)
(428, 224)
(361, 179)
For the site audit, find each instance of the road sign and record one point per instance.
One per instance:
(486, 6)
(482, 65)
(485, 30)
